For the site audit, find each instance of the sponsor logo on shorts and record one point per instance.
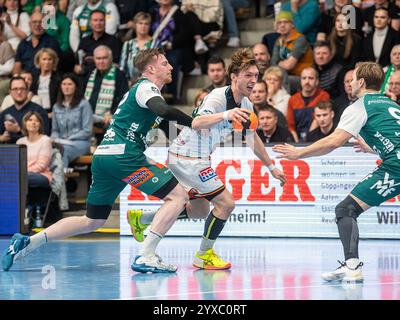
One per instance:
(207, 174)
(155, 180)
(385, 187)
(139, 177)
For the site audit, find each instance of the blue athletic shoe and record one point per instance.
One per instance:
(153, 264)
(17, 243)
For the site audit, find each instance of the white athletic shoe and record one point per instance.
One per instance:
(344, 273)
(200, 47)
(153, 264)
(233, 42)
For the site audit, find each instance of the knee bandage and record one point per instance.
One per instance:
(348, 208)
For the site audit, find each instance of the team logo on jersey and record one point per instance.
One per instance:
(207, 174)
(110, 135)
(385, 187)
(155, 90)
(138, 177)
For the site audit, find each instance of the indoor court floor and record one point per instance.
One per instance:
(262, 269)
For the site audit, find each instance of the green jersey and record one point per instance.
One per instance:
(131, 121)
(376, 118)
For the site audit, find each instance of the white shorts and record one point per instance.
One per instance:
(196, 176)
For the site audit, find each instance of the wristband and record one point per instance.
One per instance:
(225, 115)
(271, 167)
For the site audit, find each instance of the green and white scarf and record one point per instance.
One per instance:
(388, 74)
(106, 94)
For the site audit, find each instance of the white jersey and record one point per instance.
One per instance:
(200, 144)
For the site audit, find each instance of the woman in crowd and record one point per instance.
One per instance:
(72, 120)
(16, 22)
(277, 96)
(39, 147)
(345, 43)
(131, 48)
(46, 80)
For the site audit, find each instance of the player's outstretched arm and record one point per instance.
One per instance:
(323, 146)
(162, 109)
(255, 143)
(206, 121)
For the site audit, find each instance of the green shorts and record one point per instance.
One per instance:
(111, 174)
(380, 185)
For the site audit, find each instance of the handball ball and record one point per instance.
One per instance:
(251, 124)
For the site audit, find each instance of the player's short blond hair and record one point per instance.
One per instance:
(372, 73)
(144, 57)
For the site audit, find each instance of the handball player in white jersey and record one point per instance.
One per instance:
(189, 158)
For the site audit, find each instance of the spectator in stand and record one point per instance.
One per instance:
(72, 120)
(170, 32)
(7, 60)
(59, 28)
(128, 9)
(80, 26)
(46, 79)
(345, 43)
(131, 48)
(230, 20)
(394, 65)
(206, 19)
(39, 150)
(345, 99)
(28, 48)
(277, 96)
(8, 100)
(378, 44)
(11, 118)
(323, 116)
(72, 5)
(104, 87)
(328, 19)
(97, 38)
(268, 129)
(258, 97)
(216, 72)
(393, 11)
(301, 105)
(263, 58)
(292, 52)
(89, 43)
(329, 71)
(306, 16)
(393, 90)
(16, 23)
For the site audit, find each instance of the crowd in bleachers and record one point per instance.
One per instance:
(66, 64)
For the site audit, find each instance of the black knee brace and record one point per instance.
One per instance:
(348, 208)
